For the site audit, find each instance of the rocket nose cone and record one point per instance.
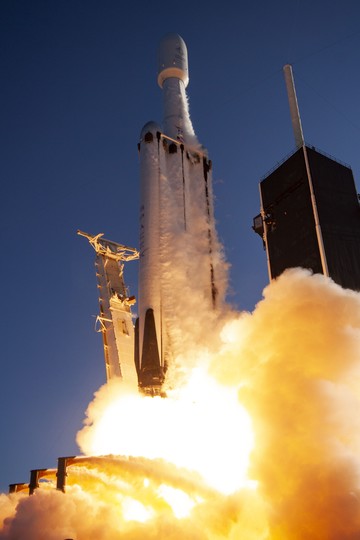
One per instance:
(173, 59)
(150, 127)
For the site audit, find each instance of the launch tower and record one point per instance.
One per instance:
(115, 319)
(310, 213)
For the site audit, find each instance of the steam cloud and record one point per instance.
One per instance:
(294, 364)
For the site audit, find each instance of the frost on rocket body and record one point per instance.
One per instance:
(185, 258)
(182, 265)
(294, 365)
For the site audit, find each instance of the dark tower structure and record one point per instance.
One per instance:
(310, 212)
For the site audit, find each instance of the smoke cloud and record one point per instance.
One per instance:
(297, 361)
(293, 364)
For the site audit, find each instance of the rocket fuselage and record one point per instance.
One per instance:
(177, 231)
(149, 364)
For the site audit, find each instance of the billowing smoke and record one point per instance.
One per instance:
(298, 359)
(294, 366)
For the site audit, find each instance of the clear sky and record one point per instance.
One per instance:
(78, 84)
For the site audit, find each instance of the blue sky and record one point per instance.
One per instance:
(78, 84)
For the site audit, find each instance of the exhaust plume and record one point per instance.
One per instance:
(297, 361)
(293, 365)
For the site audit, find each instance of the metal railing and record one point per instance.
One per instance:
(310, 147)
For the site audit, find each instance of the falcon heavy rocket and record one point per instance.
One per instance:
(178, 243)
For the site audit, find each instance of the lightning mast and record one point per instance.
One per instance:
(115, 318)
(310, 214)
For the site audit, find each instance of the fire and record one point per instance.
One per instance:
(200, 426)
(134, 510)
(181, 465)
(179, 501)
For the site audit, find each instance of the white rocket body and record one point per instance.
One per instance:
(180, 260)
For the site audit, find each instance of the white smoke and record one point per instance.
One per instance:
(298, 359)
(294, 363)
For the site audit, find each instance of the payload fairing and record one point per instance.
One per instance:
(179, 250)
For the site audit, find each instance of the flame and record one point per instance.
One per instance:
(179, 501)
(200, 426)
(134, 510)
(184, 462)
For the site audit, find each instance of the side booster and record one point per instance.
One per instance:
(177, 232)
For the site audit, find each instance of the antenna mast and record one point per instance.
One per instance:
(300, 143)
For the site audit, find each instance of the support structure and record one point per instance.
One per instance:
(35, 476)
(310, 213)
(15, 488)
(61, 473)
(115, 318)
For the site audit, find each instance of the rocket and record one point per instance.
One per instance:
(180, 265)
